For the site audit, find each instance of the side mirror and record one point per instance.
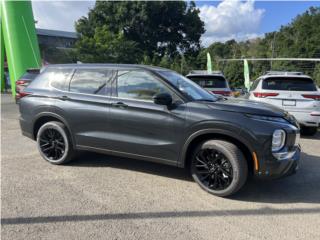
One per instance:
(163, 99)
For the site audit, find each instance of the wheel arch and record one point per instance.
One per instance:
(45, 117)
(209, 134)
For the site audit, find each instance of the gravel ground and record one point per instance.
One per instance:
(103, 197)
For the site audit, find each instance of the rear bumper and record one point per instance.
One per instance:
(26, 128)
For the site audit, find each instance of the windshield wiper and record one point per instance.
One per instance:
(206, 100)
(220, 98)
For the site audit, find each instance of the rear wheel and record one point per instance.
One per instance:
(309, 131)
(54, 143)
(219, 167)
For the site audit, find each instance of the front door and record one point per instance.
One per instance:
(139, 126)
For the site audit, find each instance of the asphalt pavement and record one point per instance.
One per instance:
(103, 197)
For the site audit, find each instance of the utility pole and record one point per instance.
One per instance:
(272, 48)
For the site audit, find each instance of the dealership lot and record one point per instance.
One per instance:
(103, 197)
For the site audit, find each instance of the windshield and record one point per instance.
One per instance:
(187, 87)
(209, 81)
(292, 84)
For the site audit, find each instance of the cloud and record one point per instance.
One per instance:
(230, 19)
(59, 15)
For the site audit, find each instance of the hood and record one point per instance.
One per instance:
(247, 106)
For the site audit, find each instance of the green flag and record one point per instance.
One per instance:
(209, 64)
(246, 74)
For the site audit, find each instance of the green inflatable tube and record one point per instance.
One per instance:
(20, 39)
(1, 53)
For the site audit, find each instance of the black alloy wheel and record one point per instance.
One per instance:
(52, 144)
(219, 167)
(213, 169)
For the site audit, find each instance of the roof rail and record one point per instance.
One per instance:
(283, 73)
(204, 72)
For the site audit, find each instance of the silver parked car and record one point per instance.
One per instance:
(214, 82)
(292, 91)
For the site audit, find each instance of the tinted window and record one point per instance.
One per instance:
(90, 81)
(138, 85)
(59, 77)
(29, 76)
(289, 84)
(209, 81)
(54, 77)
(187, 87)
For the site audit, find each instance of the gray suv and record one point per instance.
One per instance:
(157, 115)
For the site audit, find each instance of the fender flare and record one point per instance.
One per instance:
(51, 114)
(242, 137)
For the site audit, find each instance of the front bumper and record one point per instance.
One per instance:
(274, 169)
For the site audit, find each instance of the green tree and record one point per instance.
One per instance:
(105, 46)
(153, 29)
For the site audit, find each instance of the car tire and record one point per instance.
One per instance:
(219, 167)
(309, 131)
(54, 143)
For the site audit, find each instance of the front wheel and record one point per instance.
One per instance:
(219, 167)
(54, 144)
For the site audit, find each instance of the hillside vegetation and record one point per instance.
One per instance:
(168, 34)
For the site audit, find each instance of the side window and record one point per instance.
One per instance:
(52, 77)
(91, 81)
(134, 84)
(59, 77)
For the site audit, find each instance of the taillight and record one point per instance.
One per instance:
(224, 93)
(264, 95)
(312, 96)
(21, 82)
(24, 94)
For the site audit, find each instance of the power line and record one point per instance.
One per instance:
(271, 59)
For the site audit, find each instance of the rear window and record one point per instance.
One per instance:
(91, 81)
(289, 84)
(210, 81)
(52, 77)
(29, 76)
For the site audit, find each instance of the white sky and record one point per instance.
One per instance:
(229, 19)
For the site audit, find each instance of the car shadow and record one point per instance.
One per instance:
(302, 187)
(88, 159)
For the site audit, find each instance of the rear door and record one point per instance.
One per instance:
(291, 93)
(85, 106)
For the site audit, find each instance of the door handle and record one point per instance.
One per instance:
(119, 105)
(63, 98)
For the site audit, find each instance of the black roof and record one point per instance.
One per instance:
(114, 65)
(56, 33)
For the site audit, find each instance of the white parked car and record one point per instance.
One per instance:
(214, 82)
(292, 91)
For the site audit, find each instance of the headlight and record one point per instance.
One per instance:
(278, 140)
(267, 118)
